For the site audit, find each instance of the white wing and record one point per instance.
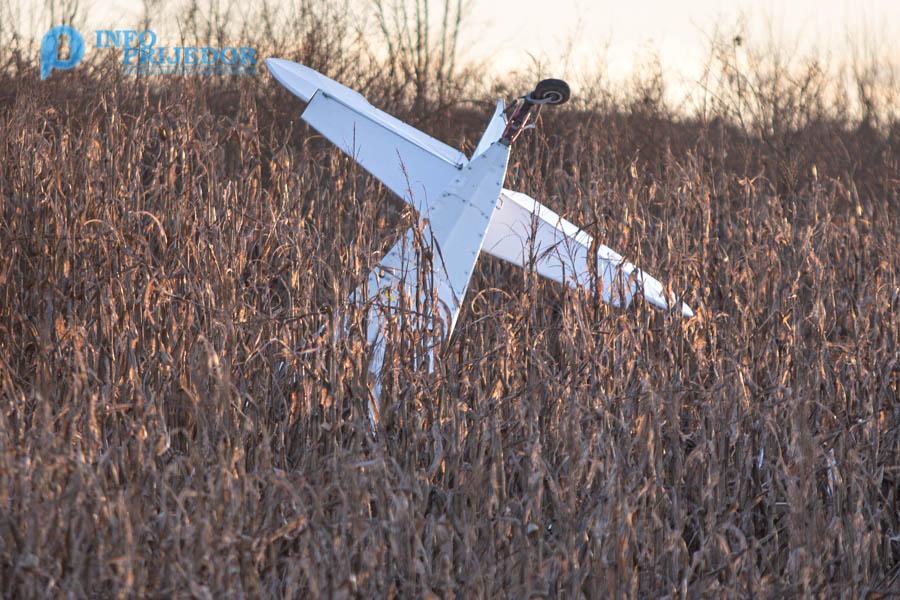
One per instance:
(413, 173)
(304, 82)
(526, 233)
(412, 164)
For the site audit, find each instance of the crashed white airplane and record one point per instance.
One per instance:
(463, 210)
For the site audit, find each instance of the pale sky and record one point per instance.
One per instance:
(622, 35)
(617, 35)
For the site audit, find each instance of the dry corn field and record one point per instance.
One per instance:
(180, 414)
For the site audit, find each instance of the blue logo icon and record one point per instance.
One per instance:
(50, 46)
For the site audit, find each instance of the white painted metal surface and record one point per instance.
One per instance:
(408, 169)
(528, 234)
(493, 131)
(459, 222)
(463, 210)
(426, 280)
(303, 82)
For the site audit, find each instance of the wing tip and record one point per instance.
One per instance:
(274, 64)
(655, 294)
(299, 79)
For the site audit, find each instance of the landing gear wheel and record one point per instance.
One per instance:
(550, 91)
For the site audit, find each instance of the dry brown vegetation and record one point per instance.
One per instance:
(172, 421)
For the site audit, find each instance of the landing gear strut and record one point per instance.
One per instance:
(547, 91)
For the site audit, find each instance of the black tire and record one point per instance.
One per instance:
(551, 91)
